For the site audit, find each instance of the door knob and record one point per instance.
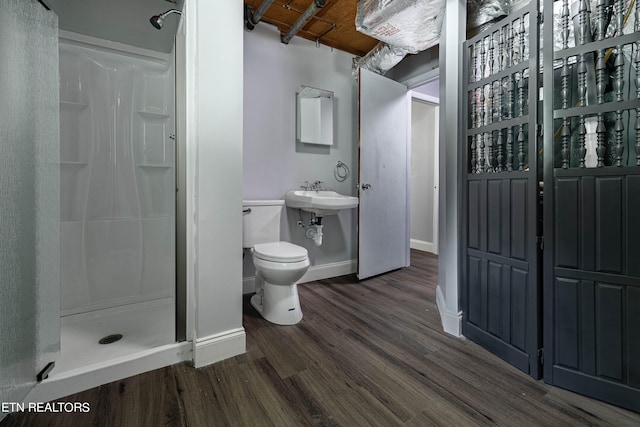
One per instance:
(363, 186)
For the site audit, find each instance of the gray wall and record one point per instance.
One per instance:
(122, 21)
(424, 134)
(431, 88)
(273, 161)
(415, 69)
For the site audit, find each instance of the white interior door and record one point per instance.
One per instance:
(436, 181)
(383, 213)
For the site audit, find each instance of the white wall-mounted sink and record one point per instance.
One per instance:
(320, 202)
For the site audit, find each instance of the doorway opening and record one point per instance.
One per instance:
(424, 167)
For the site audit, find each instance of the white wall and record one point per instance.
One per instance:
(273, 161)
(214, 88)
(424, 137)
(453, 34)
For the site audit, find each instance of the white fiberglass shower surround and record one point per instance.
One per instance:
(117, 199)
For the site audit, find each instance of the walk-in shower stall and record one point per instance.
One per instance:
(117, 199)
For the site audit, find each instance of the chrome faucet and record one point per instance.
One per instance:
(318, 185)
(315, 186)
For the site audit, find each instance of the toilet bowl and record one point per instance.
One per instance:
(279, 265)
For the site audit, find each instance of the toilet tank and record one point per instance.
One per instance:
(261, 221)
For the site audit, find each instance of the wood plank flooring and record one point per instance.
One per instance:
(368, 353)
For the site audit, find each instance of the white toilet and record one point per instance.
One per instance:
(279, 265)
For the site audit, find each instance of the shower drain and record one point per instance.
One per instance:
(109, 339)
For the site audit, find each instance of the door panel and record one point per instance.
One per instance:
(383, 222)
(592, 336)
(500, 289)
(591, 208)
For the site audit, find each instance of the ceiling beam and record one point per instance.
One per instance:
(254, 17)
(306, 16)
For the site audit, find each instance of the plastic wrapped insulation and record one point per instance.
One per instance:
(410, 25)
(380, 59)
(480, 12)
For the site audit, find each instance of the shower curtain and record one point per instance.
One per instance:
(29, 195)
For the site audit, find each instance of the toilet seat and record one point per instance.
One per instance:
(280, 252)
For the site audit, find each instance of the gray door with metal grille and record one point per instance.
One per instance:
(590, 314)
(592, 199)
(500, 289)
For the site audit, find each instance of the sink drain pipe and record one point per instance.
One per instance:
(315, 232)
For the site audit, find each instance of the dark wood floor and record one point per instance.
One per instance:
(368, 353)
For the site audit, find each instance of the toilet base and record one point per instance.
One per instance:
(278, 304)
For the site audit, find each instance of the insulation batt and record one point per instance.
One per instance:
(380, 59)
(479, 12)
(408, 25)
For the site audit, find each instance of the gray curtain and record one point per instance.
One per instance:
(29, 195)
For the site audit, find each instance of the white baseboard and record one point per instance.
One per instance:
(327, 271)
(451, 321)
(215, 348)
(318, 272)
(81, 379)
(422, 245)
(205, 351)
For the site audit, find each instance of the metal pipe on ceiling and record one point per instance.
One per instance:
(306, 16)
(254, 17)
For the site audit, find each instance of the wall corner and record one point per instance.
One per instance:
(451, 320)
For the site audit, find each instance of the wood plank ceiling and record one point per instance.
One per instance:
(333, 25)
